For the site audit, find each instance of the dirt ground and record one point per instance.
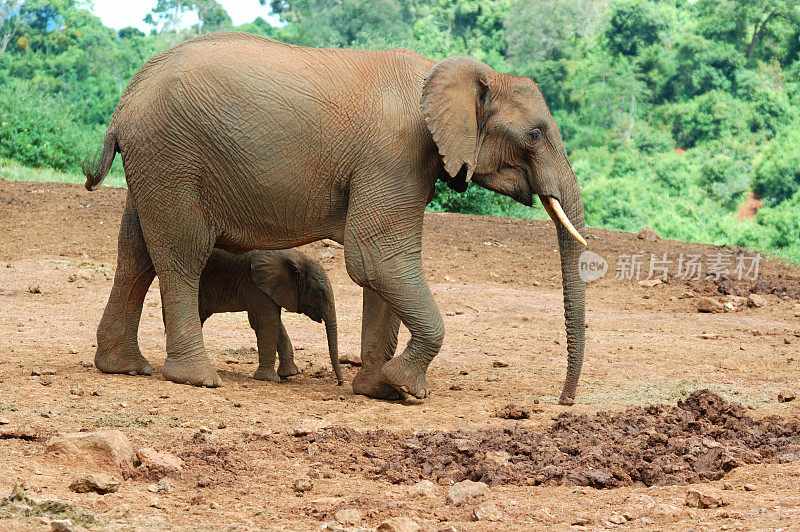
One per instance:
(610, 461)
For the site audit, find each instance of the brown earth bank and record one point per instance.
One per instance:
(304, 454)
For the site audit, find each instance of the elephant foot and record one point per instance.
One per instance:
(265, 373)
(287, 369)
(372, 385)
(406, 377)
(197, 373)
(566, 400)
(132, 363)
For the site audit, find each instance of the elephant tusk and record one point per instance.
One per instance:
(553, 208)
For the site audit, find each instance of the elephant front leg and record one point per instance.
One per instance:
(267, 328)
(286, 365)
(379, 328)
(117, 342)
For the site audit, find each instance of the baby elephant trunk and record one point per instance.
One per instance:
(333, 343)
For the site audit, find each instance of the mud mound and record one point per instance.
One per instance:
(699, 440)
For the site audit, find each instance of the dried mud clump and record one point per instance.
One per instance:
(700, 439)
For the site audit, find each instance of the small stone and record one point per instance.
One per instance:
(303, 427)
(77, 391)
(618, 519)
(465, 490)
(4, 421)
(35, 289)
(302, 485)
(36, 371)
(512, 411)
(424, 489)
(647, 234)
(704, 498)
(101, 483)
(48, 371)
(500, 458)
(579, 521)
(350, 359)
(348, 517)
(331, 243)
(749, 487)
(707, 304)
(786, 396)
(650, 283)
(98, 391)
(214, 505)
(164, 485)
(152, 488)
(86, 364)
(61, 525)
(399, 524)
(727, 486)
(155, 502)
(756, 301)
(499, 364)
(487, 511)
(729, 307)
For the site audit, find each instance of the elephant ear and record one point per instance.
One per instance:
(276, 273)
(454, 98)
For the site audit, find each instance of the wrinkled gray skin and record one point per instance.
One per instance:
(262, 283)
(246, 143)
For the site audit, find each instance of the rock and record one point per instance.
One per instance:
(351, 359)
(647, 234)
(305, 426)
(749, 487)
(786, 396)
(650, 283)
(465, 490)
(105, 446)
(160, 462)
(399, 524)
(331, 243)
(164, 485)
(21, 432)
(729, 307)
(36, 371)
(348, 517)
(302, 484)
(35, 289)
(101, 483)
(500, 458)
(512, 411)
(618, 519)
(326, 253)
(756, 301)
(707, 304)
(424, 489)
(487, 511)
(499, 364)
(61, 525)
(704, 498)
(4, 421)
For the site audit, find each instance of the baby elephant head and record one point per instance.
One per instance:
(299, 284)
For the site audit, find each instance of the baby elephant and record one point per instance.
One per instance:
(263, 282)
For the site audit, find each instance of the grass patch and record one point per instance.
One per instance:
(18, 504)
(13, 171)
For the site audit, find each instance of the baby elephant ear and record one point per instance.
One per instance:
(454, 98)
(275, 274)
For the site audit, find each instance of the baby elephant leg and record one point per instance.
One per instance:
(286, 365)
(267, 328)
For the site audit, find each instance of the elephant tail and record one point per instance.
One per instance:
(95, 167)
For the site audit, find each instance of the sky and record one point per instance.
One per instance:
(118, 14)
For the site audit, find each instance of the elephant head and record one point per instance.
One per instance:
(300, 284)
(496, 130)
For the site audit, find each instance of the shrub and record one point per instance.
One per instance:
(777, 174)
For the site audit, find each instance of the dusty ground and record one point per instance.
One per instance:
(498, 284)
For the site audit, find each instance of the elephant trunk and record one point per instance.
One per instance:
(570, 249)
(331, 331)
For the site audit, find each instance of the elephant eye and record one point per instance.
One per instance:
(536, 134)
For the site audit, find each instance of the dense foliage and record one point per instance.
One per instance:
(672, 111)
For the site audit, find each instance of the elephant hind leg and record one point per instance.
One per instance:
(179, 249)
(117, 342)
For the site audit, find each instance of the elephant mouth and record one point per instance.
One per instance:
(557, 214)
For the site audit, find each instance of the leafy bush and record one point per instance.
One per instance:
(39, 130)
(710, 116)
(777, 173)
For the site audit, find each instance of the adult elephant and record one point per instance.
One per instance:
(246, 143)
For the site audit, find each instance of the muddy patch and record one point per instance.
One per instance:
(700, 439)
